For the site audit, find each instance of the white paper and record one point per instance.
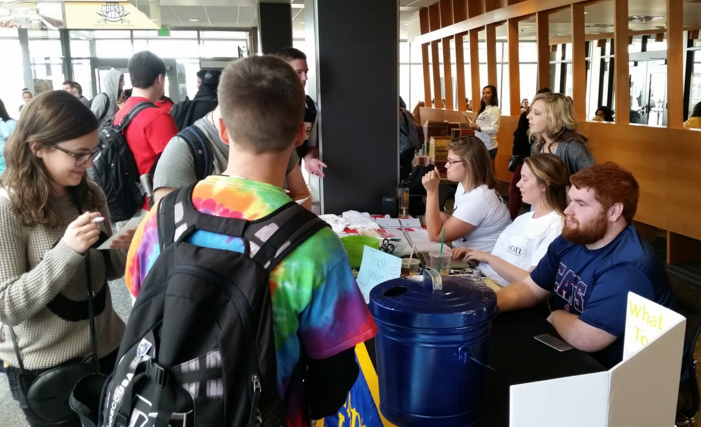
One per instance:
(376, 267)
(411, 222)
(130, 225)
(387, 222)
(299, 202)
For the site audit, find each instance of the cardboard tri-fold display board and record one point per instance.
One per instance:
(640, 391)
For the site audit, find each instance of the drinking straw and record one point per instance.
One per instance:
(441, 256)
(411, 255)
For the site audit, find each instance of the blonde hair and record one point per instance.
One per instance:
(550, 171)
(475, 156)
(561, 118)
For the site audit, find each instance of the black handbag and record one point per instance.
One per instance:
(513, 162)
(47, 393)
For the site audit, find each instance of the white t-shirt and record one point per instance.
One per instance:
(484, 209)
(524, 243)
(489, 121)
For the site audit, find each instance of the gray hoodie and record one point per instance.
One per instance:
(108, 97)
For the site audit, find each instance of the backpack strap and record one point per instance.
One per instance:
(273, 237)
(197, 141)
(269, 239)
(166, 219)
(178, 218)
(141, 106)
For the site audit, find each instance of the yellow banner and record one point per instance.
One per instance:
(106, 15)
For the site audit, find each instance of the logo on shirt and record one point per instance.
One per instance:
(570, 288)
(515, 249)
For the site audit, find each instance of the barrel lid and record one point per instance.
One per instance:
(412, 302)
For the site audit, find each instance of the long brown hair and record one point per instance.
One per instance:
(551, 173)
(52, 117)
(475, 156)
(562, 120)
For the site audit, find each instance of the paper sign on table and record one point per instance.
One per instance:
(376, 267)
(645, 321)
(387, 222)
(411, 222)
(130, 225)
(640, 391)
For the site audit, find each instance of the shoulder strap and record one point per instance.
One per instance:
(166, 218)
(197, 141)
(141, 106)
(269, 239)
(272, 238)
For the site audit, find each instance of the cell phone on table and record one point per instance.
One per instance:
(553, 342)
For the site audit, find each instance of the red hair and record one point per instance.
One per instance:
(611, 184)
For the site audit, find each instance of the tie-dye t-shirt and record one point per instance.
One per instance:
(316, 302)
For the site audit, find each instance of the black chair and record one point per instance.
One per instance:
(689, 402)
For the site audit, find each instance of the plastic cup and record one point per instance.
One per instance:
(442, 258)
(410, 267)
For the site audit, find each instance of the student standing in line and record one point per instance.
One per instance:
(480, 214)
(319, 312)
(309, 150)
(48, 220)
(520, 247)
(104, 104)
(177, 167)
(553, 122)
(486, 124)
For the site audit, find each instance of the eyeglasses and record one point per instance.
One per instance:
(81, 159)
(451, 162)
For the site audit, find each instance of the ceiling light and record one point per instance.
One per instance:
(586, 13)
(641, 19)
(301, 22)
(194, 20)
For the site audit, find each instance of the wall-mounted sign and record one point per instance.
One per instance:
(106, 15)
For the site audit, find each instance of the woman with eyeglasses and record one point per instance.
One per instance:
(51, 274)
(479, 215)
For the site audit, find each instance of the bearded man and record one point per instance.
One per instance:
(589, 270)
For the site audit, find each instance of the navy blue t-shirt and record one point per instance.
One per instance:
(594, 284)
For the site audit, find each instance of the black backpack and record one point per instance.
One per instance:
(197, 141)
(115, 170)
(199, 348)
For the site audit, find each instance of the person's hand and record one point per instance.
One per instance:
(123, 241)
(314, 166)
(477, 256)
(431, 180)
(459, 253)
(82, 233)
(474, 125)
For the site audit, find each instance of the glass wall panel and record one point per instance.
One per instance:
(11, 76)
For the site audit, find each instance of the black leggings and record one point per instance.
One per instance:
(13, 376)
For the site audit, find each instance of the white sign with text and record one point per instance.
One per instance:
(376, 267)
(645, 321)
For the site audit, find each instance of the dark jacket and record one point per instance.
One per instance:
(204, 102)
(522, 144)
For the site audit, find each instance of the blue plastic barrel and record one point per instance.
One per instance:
(432, 349)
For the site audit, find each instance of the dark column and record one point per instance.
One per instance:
(66, 51)
(274, 27)
(358, 96)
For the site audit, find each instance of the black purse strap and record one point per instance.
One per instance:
(91, 308)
